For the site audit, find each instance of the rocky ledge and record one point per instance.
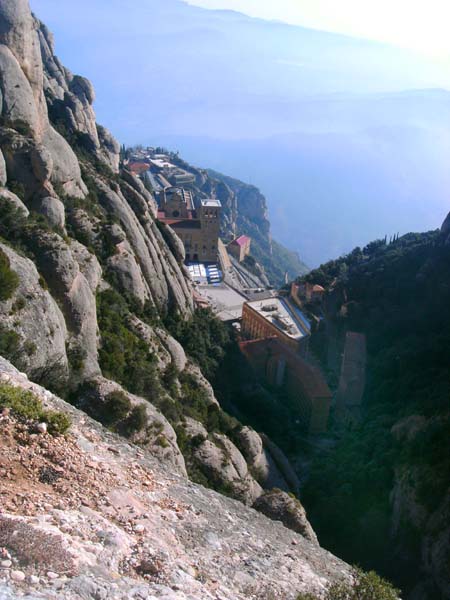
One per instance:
(87, 515)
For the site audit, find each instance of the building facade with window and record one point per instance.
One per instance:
(197, 224)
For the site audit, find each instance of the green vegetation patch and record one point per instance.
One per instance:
(204, 337)
(124, 357)
(365, 586)
(117, 413)
(9, 279)
(26, 405)
(398, 294)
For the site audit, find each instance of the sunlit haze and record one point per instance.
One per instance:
(418, 25)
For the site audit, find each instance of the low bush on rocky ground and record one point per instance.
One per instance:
(115, 411)
(118, 413)
(9, 343)
(365, 586)
(8, 278)
(26, 405)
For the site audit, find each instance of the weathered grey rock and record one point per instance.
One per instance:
(194, 370)
(188, 529)
(128, 272)
(223, 464)
(88, 264)
(36, 318)
(24, 104)
(42, 164)
(174, 243)
(18, 99)
(86, 225)
(160, 270)
(53, 210)
(260, 461)
(68, 285)
(279, 464)
(151, 338)
(445, 229)
(139, 187)
(15, 201)
(83, 88)
(193, 428)
(66, 170)
(93, 394)
(109, 149)
(3, 174)
(174, 348)
(279, 506)
(251, 444)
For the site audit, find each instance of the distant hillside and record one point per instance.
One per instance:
(379, 162)
(250, 217)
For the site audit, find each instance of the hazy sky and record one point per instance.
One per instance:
(422, 25)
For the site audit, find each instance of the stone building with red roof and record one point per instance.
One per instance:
(197, 226)
(240, 247)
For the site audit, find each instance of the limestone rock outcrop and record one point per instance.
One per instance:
(100, 518)
(157, 436)
(35, 318)
(279, 506)
(221, 462)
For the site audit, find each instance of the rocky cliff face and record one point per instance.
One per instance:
(87, 277)
(91, 516)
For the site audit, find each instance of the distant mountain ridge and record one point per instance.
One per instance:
(325, 125)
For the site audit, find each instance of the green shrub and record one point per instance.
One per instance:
(365, 586)
(124, 357)
(9, 343)
(115, 408)
(115, 411)
(136, 420)
(76, 357)
(9, 279)
(18, 305)
(162, 441)
(58, 423)
(204, 337)
(25, 404)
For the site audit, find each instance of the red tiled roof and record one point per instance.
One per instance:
(138, 168)
(241, 240)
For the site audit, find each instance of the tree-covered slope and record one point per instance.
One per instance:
(380, 496)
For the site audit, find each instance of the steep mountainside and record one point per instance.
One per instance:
(381, 495)
(90, 287)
